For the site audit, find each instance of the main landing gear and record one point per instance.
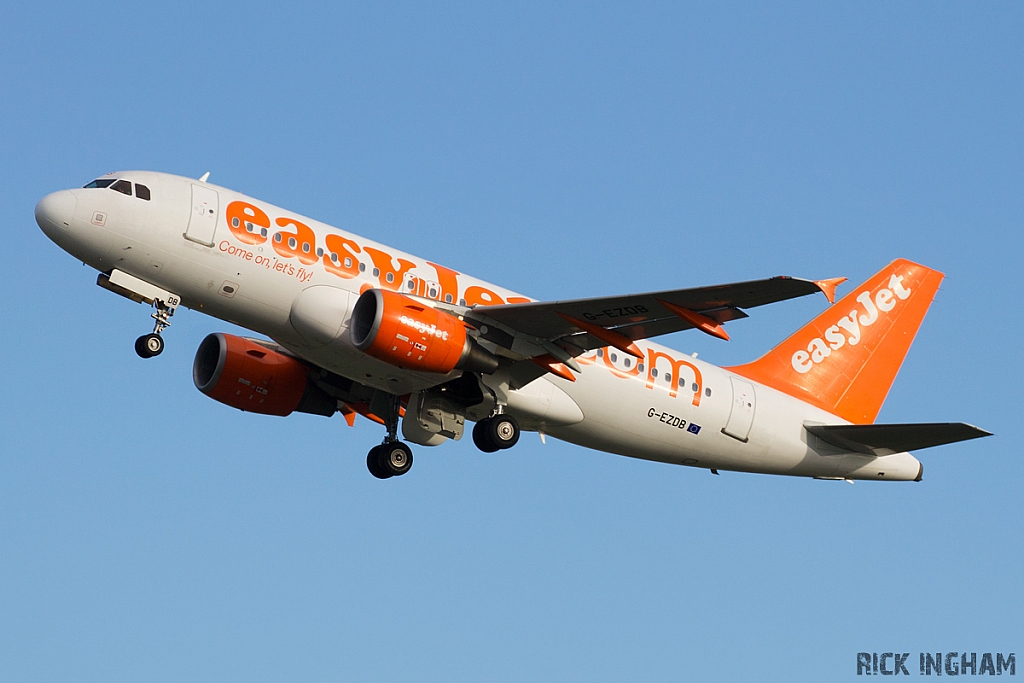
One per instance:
(392, 458)
(496, 433)
(152, 344)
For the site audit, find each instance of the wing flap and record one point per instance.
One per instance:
(638, 316)
(886, 439)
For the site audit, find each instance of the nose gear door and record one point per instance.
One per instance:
(202, 221)
(742, 414)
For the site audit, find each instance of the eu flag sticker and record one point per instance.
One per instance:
(693, 429)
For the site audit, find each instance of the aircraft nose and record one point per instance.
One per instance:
(54, 212)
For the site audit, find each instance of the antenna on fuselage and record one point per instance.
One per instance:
(203, 178)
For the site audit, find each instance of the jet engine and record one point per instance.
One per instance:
(412, 335)
(243, 374)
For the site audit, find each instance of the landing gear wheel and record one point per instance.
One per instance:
(503, 431)
(149, 345)
(481, 437)
(373, 464)
(394, 458)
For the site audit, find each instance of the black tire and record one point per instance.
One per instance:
(481, 437)
(394, 458)
(373, 464)
(503, 431)
(149, 345)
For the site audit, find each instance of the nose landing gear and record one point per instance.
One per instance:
(152, 344)
(496, 433)
(140, 291)
(149, 345)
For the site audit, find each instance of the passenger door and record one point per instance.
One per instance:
(741, 416)
(202, 222)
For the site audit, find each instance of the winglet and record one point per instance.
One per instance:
(701, 322)
(204, 177)
(828, 287)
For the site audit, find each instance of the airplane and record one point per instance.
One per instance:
(359, 328)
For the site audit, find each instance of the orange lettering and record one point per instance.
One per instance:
(340, 256)
(247, 223)
(300, 244)
(388, 276)
(652, 360)
(448, 279)
(482, 296)
(607, 353)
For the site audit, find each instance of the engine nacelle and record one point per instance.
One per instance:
(409, 334)
(245, 375)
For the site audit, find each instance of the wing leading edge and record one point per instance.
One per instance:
(634, 317)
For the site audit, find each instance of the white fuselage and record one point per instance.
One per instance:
(669, 407)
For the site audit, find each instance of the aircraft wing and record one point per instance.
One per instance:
(579, 325)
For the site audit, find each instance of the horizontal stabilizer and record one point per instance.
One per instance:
(882, 439)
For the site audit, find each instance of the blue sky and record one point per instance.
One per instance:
(562, 150)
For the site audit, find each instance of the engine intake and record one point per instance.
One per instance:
(243, 374)
(406, 333)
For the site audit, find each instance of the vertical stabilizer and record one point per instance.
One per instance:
(846, 359)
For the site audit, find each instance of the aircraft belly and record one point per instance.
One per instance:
(627, 417)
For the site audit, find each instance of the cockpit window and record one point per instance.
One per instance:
(122, 186)
(100, 182)
(142, 192)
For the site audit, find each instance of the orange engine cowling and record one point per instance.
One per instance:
(412, 335)
(245, 375)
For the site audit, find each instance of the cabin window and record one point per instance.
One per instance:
(626, 361)
(707, 392)
(122, 186)
(100, 182)
(292, 243)
(142, 192)
(448, 298)
(695, 388)
(390, 277)
(640, 367)
(362, 267)
(376, 272)
(613, 357)
(306, 247)
(600, 353)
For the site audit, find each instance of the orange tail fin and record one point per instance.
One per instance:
(846, 359)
